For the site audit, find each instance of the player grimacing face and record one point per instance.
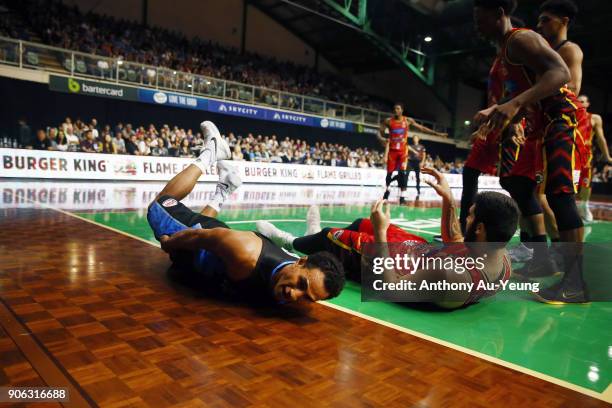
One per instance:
(296, 282)
(584, 101)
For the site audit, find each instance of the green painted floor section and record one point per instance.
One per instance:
(570, 343)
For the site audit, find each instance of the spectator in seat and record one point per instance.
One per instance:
(256, 154)
(41, 142)
(173, 150)
(363, 163)
(107, 145)
(237, 151)
(131, 145)
(24, 134)
(52, 136)
(185, 150)
(160, 149)
(62, 141)
(119, 142)
(143, 144)
(74, 143)
(93, 126)
(88, 144)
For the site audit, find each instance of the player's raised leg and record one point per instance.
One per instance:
(215, 149)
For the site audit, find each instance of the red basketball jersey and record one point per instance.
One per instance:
(398, 133)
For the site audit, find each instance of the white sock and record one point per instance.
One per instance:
(219, 198)
(207, 157)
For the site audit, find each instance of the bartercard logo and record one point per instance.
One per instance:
(73, 85)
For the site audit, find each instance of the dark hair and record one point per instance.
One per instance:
(507, 5)
(560, 8)
(401, 105)
(499, 214)
(331, 267)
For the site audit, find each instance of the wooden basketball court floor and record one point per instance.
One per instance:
(86, 302)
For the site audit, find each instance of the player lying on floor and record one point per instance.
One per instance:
(492, 219)
(247, 262)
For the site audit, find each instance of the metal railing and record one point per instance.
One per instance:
(25, 54)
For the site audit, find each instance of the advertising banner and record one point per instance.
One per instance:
(80, 195)
(236, 109)
(335, 124)
(172, 99)
(42, 164)
(91, 88)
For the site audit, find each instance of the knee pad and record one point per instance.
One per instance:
(402, 179)
(566, 212)
(523, 192)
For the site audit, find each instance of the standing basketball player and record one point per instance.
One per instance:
(593, 131)
(534, 78)
(396, 149)
(553, 23)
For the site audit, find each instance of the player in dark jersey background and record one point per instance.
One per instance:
(396, 147)
(546, 104)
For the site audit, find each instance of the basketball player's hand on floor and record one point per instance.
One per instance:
(381, 219)
(441, 185)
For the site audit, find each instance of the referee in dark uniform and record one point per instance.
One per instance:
(416, 157)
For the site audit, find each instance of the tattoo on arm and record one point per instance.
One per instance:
(451, 229)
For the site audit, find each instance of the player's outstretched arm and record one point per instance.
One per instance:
(381, 219)
(425, 129)
(451, 229)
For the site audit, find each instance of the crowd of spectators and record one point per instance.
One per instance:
(603, 175)
(173, 141)
(53, 23)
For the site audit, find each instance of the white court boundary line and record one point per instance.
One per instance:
(606, 396)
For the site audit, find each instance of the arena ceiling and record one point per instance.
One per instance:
(405, 23)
